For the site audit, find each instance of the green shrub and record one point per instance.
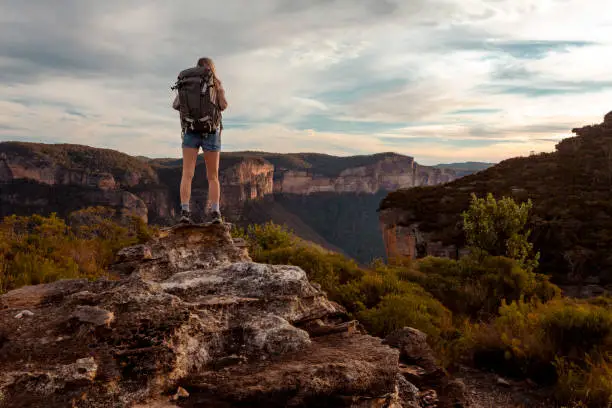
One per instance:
(37, 249)
(373, 287)
(265, 237)
(383, 303)
(476, 286)
(559, 328)
(274, 244)
(498, 228)
(575, 329)
(564, 341)
(415, 308)
(589, 385)
(603, 301)
(33, 268)
(380, 300)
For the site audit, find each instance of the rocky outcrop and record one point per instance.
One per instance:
(570, 191)
(192, 321)
(417, 362)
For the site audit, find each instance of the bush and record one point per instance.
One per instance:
(590, 385)
(603, 301)
(265, 237)
(274, 244)
(475, 286)
(564, 341)
(33, 251)
(380, 300)
(383, 303)
(108, 231)
(415, 308)
(37, 249)
(498, 228)
(560, 328)
(368, 291)
(573, 329)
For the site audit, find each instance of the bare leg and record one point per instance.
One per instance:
(212, 173)
(190, 156)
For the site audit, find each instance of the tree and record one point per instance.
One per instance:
(499, 228)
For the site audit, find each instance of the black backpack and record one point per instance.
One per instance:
(198, 100)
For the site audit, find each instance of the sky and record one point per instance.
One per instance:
(440, 80)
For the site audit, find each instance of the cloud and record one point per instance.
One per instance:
(432, 78)
(548, 88)
(474, 111)
(523, 49)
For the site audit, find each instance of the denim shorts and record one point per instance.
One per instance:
(209, 142)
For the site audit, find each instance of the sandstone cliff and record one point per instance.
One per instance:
(64, 164)
(335, 197)
(315, 173)
(149, 188)
(191, 321)
(570, 189)
(42, 178)
(368, 180)
(39, 178)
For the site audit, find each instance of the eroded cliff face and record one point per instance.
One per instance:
(248, 179)
(39, 178)
(570, 223)
(388, 174)
(403, 238)
(192, 321)
(158, 204)
(42, 178)
(75, 165)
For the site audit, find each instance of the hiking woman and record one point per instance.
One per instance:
(194, 137)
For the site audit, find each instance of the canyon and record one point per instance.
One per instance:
(288, 189)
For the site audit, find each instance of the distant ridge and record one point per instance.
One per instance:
(330, 200)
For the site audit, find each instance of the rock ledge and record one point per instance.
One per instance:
(192, 321)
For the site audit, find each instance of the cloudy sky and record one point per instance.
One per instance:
(441, 80)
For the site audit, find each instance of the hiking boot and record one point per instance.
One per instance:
(185, 217)
(215, 217)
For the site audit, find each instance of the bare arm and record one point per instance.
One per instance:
(221, 101)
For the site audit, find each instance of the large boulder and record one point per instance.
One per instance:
(419, 367)
(417, 359)
(191, 321)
